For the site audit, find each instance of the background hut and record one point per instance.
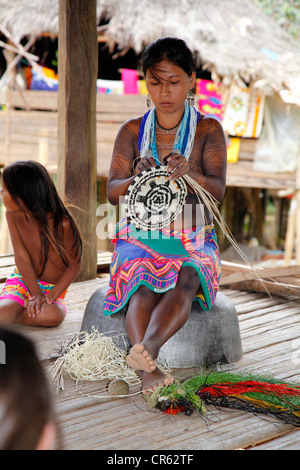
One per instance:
(233, 40)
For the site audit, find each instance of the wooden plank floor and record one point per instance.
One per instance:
(270, 337)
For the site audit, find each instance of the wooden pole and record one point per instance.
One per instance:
(77, 155)
(297, 215)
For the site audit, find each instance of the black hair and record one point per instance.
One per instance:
(25, 397)
(30, 185)
(173, 49)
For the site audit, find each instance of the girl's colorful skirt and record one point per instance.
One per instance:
(15, 289)
(155, 258)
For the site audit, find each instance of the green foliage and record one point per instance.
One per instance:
(285, 13)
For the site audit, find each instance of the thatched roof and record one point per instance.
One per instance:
(234, 39)
(34, 17)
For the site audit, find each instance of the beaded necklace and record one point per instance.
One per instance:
(168, 131)
(184, 138)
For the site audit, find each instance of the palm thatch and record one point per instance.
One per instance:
(233, 39)
(22, 18)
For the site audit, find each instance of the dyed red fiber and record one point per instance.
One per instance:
(238, 388)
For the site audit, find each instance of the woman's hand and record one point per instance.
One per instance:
(143, 164)
(34, 304)
(177, 165)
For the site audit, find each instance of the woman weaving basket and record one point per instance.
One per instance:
(157, 272)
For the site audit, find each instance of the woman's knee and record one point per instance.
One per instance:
(188, 281)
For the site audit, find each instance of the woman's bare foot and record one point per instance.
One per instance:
(140, 359)
(153, 380)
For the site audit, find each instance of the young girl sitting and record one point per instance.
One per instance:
(47, 247)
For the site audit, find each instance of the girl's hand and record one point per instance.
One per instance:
(34, 304)
(144, 164)
(50, 298)
(177, 165)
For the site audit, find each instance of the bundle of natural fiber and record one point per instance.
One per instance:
(211, 204)
(89, 357)
(243, 391)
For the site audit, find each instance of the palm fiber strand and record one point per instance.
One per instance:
(239, 391)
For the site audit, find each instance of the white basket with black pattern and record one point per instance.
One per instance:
(152, 201)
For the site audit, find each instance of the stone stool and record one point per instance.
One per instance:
(207, 338)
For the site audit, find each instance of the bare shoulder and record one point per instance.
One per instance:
(209, 122)
(209, 129)
(16, 217)
(13, 215)
(126, 145)
(130, 127)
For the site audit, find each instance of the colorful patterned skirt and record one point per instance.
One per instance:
(155, 258)
(15, 289)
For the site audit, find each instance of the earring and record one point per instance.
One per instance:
(148, 101)
(190, 98)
